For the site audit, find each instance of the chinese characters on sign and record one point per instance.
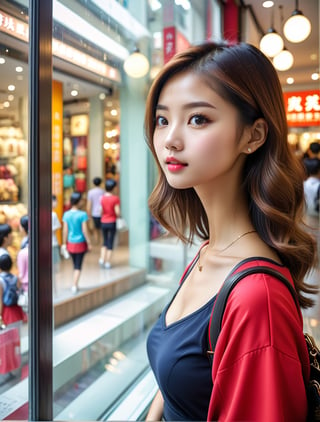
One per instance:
(173, 42)
(169, 43)
(20, 30)
(14, 27)
(303, 108)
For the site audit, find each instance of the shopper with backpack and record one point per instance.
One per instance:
(10, 312)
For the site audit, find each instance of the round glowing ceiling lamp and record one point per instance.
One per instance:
(297, 28)
(271, 43)
(283, 60)
(136, 65)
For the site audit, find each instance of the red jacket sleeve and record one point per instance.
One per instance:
(260, 364)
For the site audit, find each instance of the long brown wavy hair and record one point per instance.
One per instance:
(272, 175)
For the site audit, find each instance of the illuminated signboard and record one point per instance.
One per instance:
(303, 108)
(19, 29)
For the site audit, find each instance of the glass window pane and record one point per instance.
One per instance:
(14, 39)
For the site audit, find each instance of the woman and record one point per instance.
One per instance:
(218, 133)
(75, 236)
(110, 211)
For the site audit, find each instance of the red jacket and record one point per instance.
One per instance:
(261, 362)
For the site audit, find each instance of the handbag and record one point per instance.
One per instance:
(313, 387)
(10, 356)
(64, 252)
(23, 300)
(121, 224)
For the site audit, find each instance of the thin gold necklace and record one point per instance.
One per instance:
(200, 267)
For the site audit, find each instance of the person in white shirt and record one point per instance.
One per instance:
(311, 191)
(94, 208)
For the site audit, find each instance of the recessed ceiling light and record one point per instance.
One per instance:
(114, 112)
(74, 93)
(19, 69)
(10, 97)
(267, 4)
(315, 76)
(102, 96)
(2, 60)
(6, 104)
(11, 88)
(314, 56)
(290, 81)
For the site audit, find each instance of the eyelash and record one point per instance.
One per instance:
(159, 118)
(204, 120)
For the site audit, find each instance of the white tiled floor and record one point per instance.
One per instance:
(92, 275)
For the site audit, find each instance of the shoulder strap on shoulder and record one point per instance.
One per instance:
(221, 300)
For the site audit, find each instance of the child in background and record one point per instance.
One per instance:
(24, 228)
(8, 313)
(5, 238)
(22, 257)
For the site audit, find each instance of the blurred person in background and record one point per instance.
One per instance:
(56, 225)
(75, 236)
(94, 208)
(110, 211)
(5, 238)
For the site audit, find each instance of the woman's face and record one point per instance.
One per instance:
(198, 137)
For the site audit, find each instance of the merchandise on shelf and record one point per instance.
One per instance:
(12, 163)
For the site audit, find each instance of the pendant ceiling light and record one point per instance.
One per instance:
(271, 43)
(136, 65)
(284, 60)
(297, 28)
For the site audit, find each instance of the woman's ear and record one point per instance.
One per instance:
(258, 135)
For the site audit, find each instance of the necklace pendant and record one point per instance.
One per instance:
(200, 267)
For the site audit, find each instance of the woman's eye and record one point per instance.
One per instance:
(161, 121)
(198, 120)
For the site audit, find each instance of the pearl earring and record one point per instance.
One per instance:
(249, 150)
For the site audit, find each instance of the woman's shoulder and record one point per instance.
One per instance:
(263, 301)
(260, 286)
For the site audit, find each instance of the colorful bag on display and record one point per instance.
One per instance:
(10, 356)
(82, 162)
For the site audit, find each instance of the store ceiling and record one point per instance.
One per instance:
(306, 55)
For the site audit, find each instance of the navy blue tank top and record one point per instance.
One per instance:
(177, 355)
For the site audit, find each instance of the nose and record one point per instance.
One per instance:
(173, 140)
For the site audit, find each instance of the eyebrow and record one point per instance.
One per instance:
(187, 106)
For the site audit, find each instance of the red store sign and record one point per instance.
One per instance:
(302, 108)
(173, 42)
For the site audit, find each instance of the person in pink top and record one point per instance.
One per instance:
(110, 211)
(22, 257)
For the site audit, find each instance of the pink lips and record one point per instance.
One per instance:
(174, 165)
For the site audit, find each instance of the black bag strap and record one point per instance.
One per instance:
(222, 297)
